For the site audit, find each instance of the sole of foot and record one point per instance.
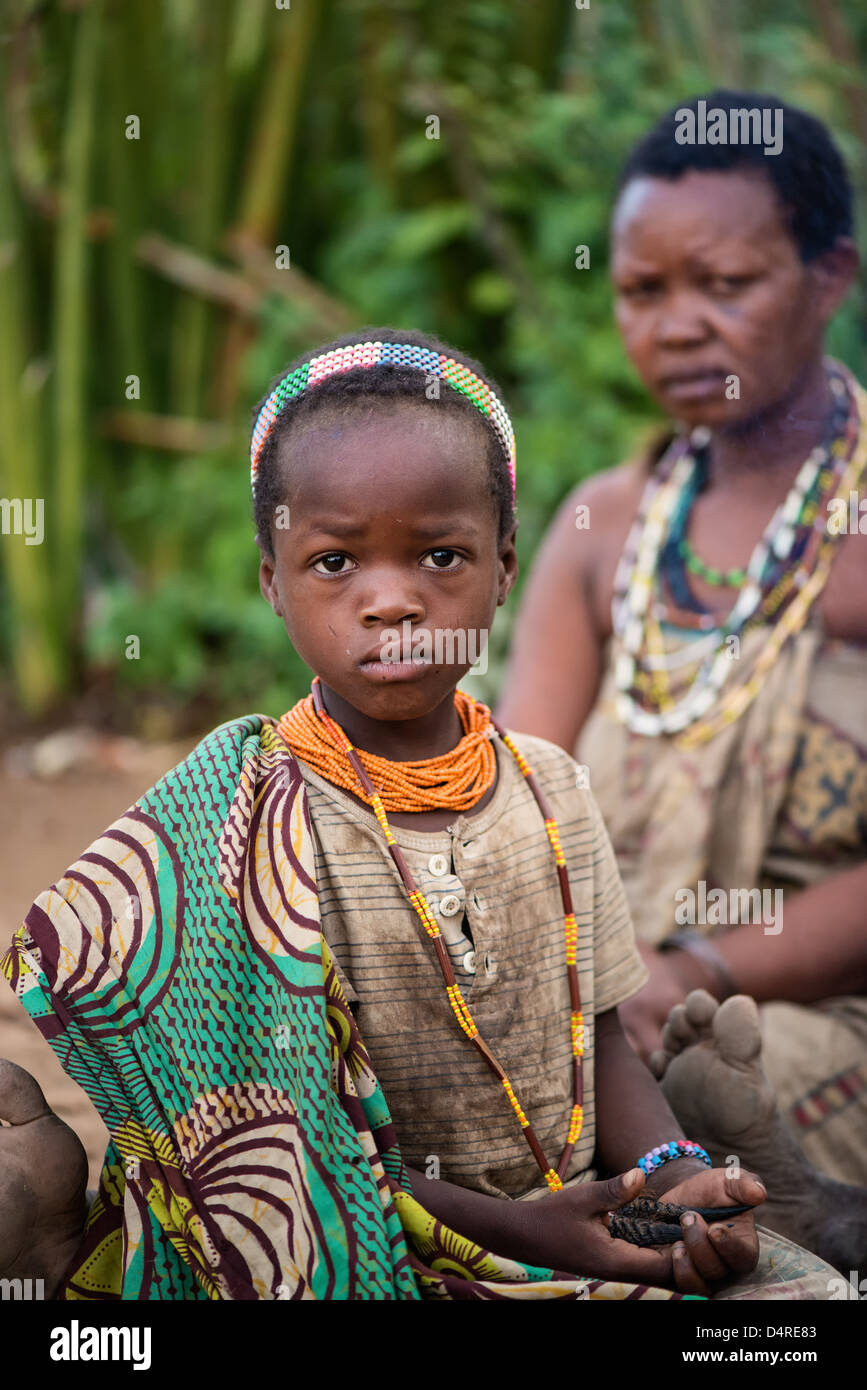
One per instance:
(711, 1074)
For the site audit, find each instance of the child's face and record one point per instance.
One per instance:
(391, 522)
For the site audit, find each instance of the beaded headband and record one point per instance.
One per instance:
(345, 359)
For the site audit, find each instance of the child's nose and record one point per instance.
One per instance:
(390, 604)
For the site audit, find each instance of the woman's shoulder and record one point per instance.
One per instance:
(615, 490)
(599, 511)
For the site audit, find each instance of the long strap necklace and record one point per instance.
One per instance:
(340, 742)
(779, 584)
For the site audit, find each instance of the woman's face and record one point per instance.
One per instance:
(719, 315)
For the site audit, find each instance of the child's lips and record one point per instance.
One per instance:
(385, 671)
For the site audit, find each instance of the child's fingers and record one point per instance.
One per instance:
(21, 1098)
(746, 1188)
(636, 1264)
(611, 1193)
(737, 1243)
(686, 1277)
(699, 1248)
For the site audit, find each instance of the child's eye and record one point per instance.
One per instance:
(443, 559)
(331, 563)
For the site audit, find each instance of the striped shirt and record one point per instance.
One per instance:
(491, 881)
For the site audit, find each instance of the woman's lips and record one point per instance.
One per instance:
(694, 386)
(382, 671)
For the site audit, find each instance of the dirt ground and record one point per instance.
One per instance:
(45, 824)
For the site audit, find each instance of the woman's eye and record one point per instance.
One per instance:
(331, 564)
(729, 284)
(442, 559)
(643, 289)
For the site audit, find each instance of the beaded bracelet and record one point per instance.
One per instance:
(677, 1148)
(700, 948)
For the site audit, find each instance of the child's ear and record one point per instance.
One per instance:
(508, 565)
(268, 580)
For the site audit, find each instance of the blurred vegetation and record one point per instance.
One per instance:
(255, 127)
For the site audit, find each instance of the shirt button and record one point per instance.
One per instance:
(449, 905)
(469, 962)
(438, 865)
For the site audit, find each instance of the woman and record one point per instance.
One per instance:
(700, 644)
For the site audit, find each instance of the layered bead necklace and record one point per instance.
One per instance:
(315, 737)
(786, 572)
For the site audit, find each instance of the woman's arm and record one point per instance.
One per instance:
(821, 952)
(554, 655)
(564, 620)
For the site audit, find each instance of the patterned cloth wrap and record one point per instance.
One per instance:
(180, 975)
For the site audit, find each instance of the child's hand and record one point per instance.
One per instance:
(712, 1253)
(572, 1235)
(43, 1180)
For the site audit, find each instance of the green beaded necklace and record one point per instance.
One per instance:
(731, 579)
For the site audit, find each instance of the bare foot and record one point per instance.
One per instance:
(712, 1077)
(43, 1175)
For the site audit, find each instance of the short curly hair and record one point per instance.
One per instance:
(809, 175)
(386, 382)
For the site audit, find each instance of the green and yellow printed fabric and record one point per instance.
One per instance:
(180, 975)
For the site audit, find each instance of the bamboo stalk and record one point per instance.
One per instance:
(38, 666)
(210, 143)
(332, 316)
(377, 105)
(124, 171)
(243, 294)
(70, 329)
(194, 272)
(274, 129)
(832, 22)
(270, 148)
(170, 432)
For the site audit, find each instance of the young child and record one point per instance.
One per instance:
(344, 985)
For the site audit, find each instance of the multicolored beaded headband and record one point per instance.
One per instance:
(345, 359)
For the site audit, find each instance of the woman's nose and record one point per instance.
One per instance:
(680, 323)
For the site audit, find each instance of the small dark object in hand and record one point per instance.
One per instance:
(646, 1222)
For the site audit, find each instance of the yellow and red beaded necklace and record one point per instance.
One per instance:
(455, 779)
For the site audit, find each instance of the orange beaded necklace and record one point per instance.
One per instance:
(455, 780)
(315, 737)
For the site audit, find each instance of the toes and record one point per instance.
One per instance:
(737, 1030)
(700, 1009)
(657, 1062)
(678, 1032)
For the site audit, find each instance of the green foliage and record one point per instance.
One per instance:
(471, 236)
